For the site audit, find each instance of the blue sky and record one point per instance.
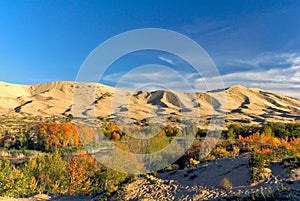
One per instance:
(253, 43)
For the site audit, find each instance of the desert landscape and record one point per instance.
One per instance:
(129, 100)
(252, 159)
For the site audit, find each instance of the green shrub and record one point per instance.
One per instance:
(13, 183)
(259, 160)
(50, 172)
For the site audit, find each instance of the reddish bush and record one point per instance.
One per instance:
(47, 136)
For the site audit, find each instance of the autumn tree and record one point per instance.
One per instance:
(80, 170)
(50, 136)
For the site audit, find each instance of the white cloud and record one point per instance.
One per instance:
(170, 61)
(281, 80)
(270, 59)
(207, 26)
(283, 77)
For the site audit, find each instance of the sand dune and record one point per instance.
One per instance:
(241, 104)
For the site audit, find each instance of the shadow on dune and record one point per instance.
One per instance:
(211, 173)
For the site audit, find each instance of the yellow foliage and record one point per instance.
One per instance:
(259, 141)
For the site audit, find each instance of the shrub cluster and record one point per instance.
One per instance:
(51, 174)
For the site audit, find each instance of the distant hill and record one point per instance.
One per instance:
(245, 105)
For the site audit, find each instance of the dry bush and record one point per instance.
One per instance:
(226, 184)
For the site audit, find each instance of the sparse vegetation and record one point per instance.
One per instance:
(52, 160)
(226, 184)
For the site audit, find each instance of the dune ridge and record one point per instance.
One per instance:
(245, 105)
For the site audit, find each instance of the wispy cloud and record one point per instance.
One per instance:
(282, 80)
(207, 26)
(277, 72)
(168, 60)
(153, 77)
(269, 59)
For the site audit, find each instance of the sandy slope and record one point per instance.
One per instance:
(203, 182)
(240, 104)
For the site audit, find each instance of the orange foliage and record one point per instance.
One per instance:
(86, 133)
(261, 141)
(79, 169)
(295, 142)
(171, 131)
(112, 127)
(56, 135)
(266, 151)
(115, 136)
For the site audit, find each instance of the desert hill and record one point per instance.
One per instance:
(241, 104)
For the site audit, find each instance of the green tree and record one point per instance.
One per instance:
(267, 130)
(234, 130)
(50, 172)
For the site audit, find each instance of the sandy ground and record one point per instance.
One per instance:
(211, 173)
(203, 182)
